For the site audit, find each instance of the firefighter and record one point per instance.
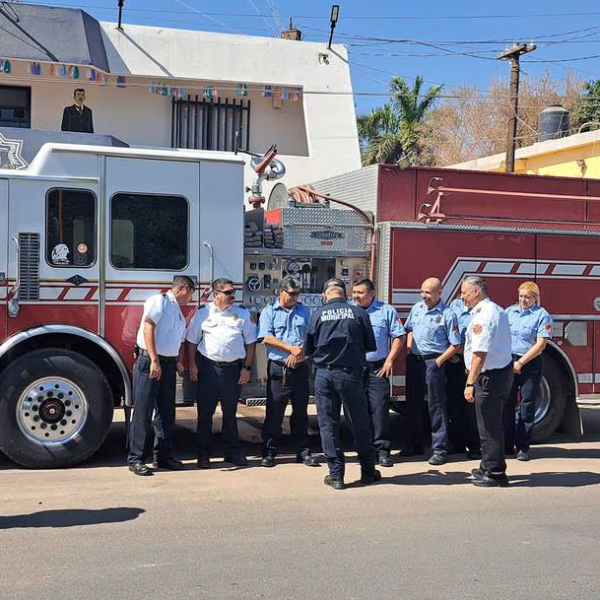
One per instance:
(433, 338)
(282, 328)
(225, 337)
(489, 362)
(389, 337)
(339, 336)
(530, 329)
(461, 415)
(159, 351)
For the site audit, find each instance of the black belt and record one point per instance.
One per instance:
(280, 363)
(517, 357)
(375, 364)
(222, 363)
(424, 357)
(338, 368)
(160, 358)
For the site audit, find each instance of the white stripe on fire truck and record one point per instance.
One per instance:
(585, 378)
(50, 293)
(399, 380)
(77, 293)
(532, 268)
(498, 267)
(569, 269)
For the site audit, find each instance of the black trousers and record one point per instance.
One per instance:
(286, 385)
(462, 426)
(519, 416)
(378, 397)
(218, 383)
(333, 389)
(148, 395)
(425, 379)
(491, 394)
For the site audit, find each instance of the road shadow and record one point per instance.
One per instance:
(555, 479)
(430, 477)
(72, 517)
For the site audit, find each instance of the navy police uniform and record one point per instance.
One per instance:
(489, 332)
(433, 331)
(526, 326)
(285, 384)
(150, 394)
(461, 415)
(339, 336)
(386, 326)
(222, 337)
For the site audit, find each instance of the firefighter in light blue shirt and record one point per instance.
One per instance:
(433, 338)
(389, 337)
(461, 415)
(530, 329)
(283, 326)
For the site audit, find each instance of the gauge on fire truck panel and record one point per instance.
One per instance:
(293, 267)
(253, 284)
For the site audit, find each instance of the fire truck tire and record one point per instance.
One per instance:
(550, 408)
(56, 408)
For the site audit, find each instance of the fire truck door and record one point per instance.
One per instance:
(4, 249)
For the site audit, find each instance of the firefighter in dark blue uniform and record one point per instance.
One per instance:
(389, 336)
(433, 338)
(339, 336)
(282, 328)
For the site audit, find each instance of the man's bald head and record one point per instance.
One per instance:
(431, 291)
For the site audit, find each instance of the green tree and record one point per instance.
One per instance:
(586, 111)
(392, 133)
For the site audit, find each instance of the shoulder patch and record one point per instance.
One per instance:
(548, 327)
(477, 329)
(253, 318)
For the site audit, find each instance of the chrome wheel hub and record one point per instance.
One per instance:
(544, 401)
(52, 410)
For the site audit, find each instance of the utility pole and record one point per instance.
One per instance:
(513, 54)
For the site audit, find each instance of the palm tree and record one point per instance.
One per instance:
(390, 134)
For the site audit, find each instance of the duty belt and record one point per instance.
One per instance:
(339, 368)
(424, 357)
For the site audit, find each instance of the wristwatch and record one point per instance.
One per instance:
(469, 385)
(248, 367)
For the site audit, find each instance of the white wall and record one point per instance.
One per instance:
(316, 136)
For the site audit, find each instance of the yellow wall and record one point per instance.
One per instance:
(564, 163)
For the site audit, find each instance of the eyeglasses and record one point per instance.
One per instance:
(294, 294)
(226, 292)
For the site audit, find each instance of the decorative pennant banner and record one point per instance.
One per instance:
(121, 83)
(34, 68)
(268, 91)
(241, 89)
(5, 66)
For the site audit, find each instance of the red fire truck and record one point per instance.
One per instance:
(87, 233)
(509, 229)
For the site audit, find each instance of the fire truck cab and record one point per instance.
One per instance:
(86, 235)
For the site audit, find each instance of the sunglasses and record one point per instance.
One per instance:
(294, 294)
(226, 292)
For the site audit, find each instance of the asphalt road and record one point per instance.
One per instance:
(97, 532)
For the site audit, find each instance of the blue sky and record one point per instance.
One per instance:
(453, 43)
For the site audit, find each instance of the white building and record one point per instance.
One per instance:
(151, 86)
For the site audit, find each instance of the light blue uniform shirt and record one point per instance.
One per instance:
(463, 314)
(289, 326)
(433, 330)
(386, 326)
(528, 325)
(488, 332)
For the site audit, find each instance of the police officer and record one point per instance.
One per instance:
(160, 342)
(530, 329)
(339, 336)
(461, 415)
(389, 337)
(489, 362)
(225, 336)
(433, 338)
(282, 328)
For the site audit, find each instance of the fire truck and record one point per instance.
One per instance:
(88, 233)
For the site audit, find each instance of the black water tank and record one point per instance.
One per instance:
(554, 123)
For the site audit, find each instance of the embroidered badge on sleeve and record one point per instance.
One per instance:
(477, 328)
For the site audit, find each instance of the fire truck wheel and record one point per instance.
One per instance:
(552, 403)
(55, 411)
